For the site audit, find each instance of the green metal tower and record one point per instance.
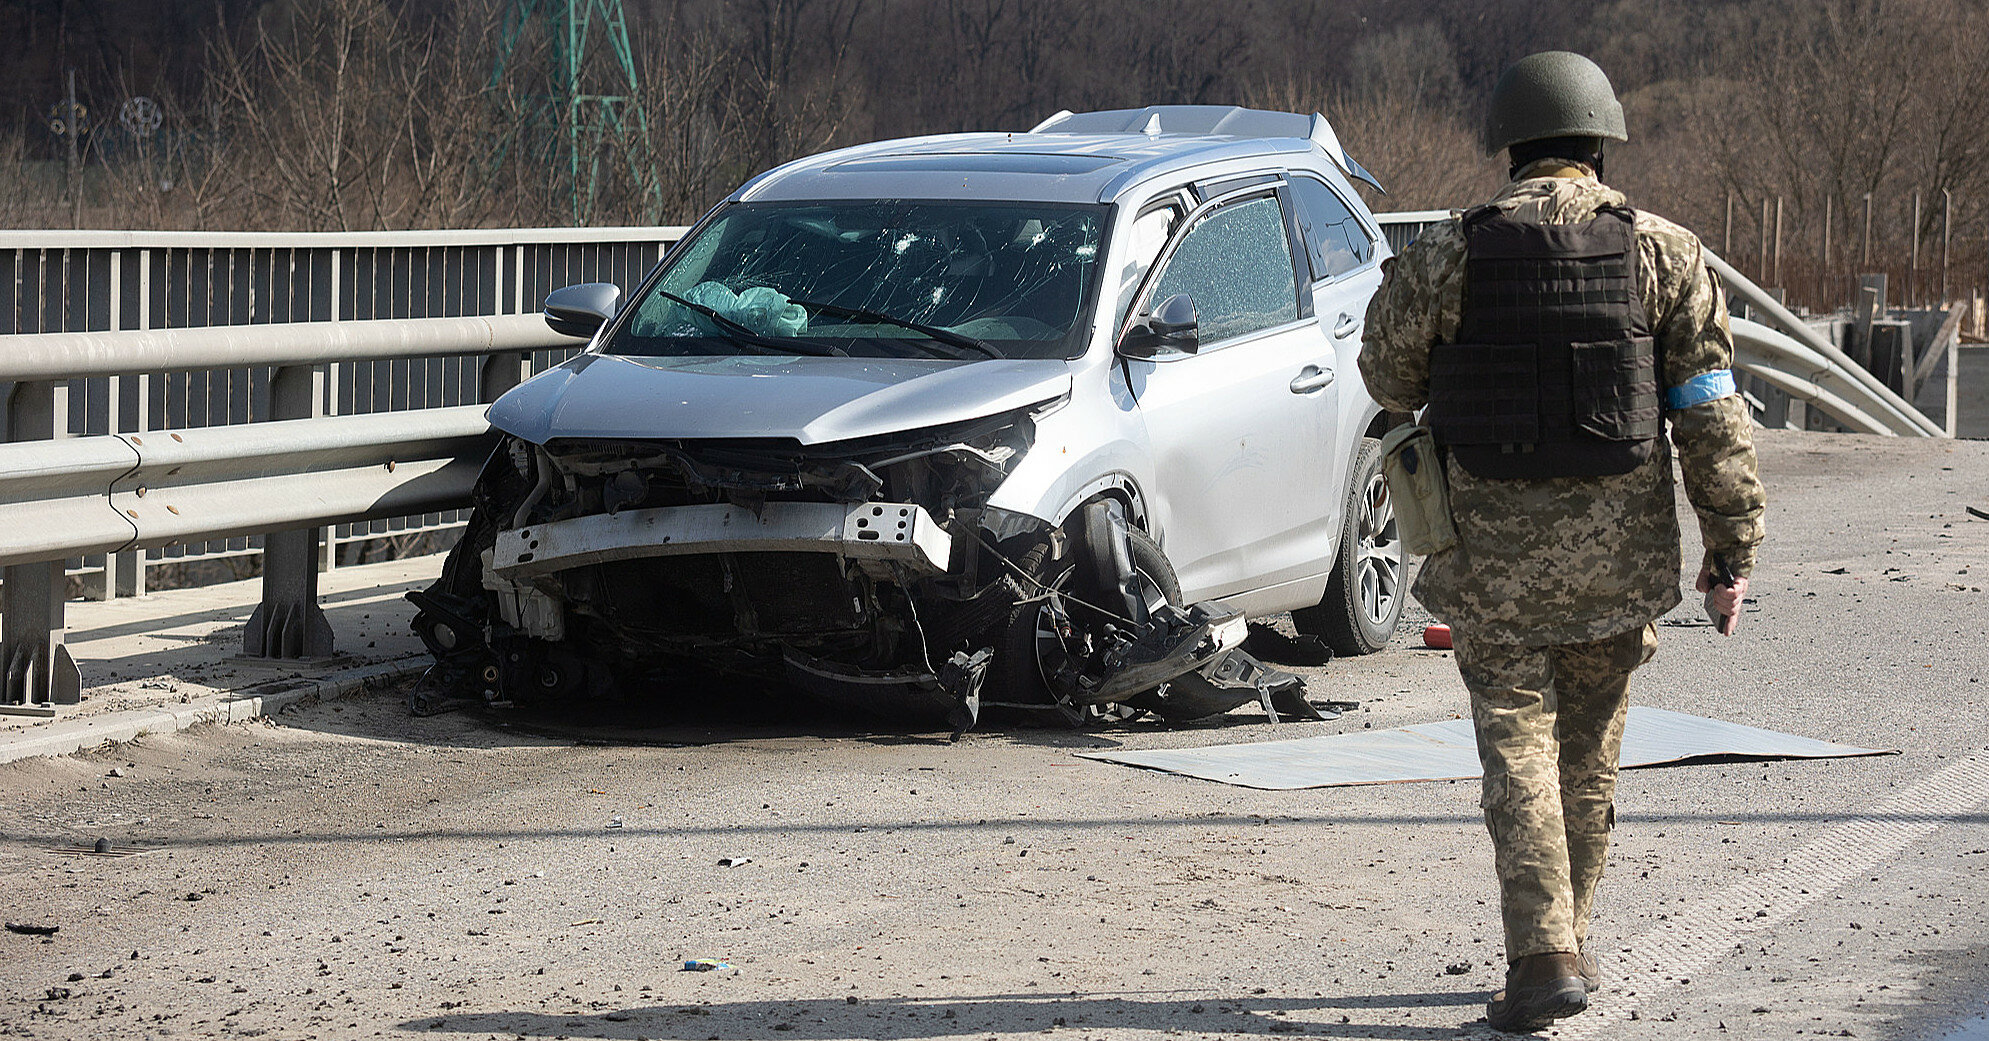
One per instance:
(595, 108)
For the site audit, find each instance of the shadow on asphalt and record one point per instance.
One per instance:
(714, 710)
(890, 1019)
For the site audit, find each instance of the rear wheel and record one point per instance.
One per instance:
(1363, 602)
(1062, 614)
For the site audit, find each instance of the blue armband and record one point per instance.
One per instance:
(1707, 386)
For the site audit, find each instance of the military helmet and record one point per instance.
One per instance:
(1552, 94)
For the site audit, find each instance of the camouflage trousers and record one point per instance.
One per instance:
(1550, 726)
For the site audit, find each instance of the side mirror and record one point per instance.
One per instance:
(1171, 325)
(581, 310)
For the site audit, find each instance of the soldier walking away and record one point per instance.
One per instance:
(1554, 333)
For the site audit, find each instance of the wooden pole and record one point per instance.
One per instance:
(1778, 241)
(1865, 253)
(1823, 296)
(1947, 229)
(1913, 269)
(1761, 266)
(1726, 240)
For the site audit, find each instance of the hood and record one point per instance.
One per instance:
(812, 400)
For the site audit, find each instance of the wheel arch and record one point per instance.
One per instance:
(1118, 485)
(1382, 421)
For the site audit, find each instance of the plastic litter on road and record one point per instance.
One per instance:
(704, 965)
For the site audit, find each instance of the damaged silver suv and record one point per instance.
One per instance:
(1034, 421)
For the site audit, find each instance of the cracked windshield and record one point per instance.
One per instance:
(937, 280)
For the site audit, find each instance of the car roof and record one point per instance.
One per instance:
(1090, 157)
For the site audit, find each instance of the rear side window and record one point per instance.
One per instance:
(1236, 265)
(1333, 235)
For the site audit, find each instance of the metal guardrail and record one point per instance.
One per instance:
(66, 356)
(1781, 351)
(206, 394)
(127, 491)
(116, 281)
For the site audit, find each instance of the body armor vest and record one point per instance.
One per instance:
(1554, 372)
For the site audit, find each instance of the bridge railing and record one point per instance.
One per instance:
(137, 345)
(109, 281)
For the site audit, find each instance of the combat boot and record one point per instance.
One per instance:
(1540, 989)
(1590, 968)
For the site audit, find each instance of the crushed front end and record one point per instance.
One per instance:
(856, 570)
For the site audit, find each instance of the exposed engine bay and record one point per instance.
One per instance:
(870, 573)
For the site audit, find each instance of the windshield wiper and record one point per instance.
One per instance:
(945, 336)
(744, 335)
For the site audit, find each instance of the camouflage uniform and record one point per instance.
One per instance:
(1553, 583)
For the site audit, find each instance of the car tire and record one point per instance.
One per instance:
(1016, 676)
(1363, 603)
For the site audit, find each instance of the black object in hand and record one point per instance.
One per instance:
(1722, 577)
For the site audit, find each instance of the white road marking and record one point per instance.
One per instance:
(1710, 929)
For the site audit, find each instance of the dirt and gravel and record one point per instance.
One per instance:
(345, 871)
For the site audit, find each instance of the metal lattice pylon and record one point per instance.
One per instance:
(593, 107)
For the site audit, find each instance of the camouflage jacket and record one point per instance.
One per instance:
(1568, 560)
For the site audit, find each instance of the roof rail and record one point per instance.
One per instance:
(1210, 121)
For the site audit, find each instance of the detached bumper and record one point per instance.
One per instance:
(901, 533)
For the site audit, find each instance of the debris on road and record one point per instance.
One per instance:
(1278, 649)
(704, 965)
(30, 929)
(1437, 637)
(734, 861)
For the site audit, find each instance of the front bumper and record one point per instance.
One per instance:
(898, 533)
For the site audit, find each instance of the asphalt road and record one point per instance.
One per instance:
(345, 871)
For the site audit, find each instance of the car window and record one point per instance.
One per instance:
(875, 279)
(1236, 265)
(1333, 235)
(1150, 234)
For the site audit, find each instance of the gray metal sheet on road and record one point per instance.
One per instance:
(1447, 751)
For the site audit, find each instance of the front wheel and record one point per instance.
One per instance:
(1059, 620)
(1363, 602)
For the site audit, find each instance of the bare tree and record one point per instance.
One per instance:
(346, 117)
(794, 72)
(695, 147)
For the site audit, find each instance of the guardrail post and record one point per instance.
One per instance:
(36, 671)
(501, 372)
(289, 623)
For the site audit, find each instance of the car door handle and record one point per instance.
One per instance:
(1311, 378)
(1345, 326)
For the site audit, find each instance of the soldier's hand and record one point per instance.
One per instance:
(1722, 600)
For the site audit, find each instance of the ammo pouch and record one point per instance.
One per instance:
(1414, 471)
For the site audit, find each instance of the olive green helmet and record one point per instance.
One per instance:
(1552, 94)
